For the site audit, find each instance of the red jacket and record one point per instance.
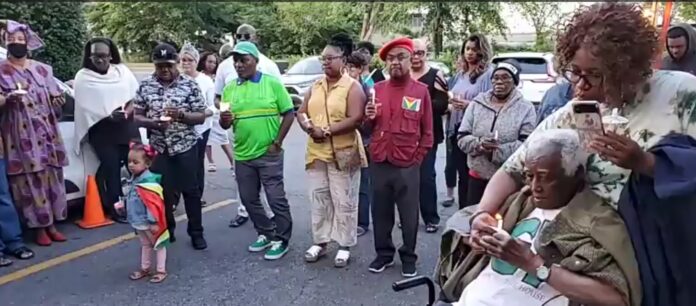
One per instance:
(402, 132)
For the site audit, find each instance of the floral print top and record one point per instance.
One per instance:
(665, 104)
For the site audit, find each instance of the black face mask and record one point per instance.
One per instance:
(17, 50)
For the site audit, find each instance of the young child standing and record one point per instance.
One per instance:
(145, 212)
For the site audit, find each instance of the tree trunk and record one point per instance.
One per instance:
(438, 28)
(366, 19)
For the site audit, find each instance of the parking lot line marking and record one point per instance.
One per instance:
(47, 264)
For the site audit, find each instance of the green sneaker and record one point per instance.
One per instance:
(261, 244)
(277, 250)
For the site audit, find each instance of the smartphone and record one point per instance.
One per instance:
(588, 121)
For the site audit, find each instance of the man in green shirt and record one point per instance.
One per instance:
(257, 102)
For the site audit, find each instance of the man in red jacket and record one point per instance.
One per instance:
(401, 121)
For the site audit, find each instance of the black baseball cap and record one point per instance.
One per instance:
(165, 53)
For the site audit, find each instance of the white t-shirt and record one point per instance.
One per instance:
(208, 92)
(226, 72)
(502, 284)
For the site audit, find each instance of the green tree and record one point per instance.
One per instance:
(452, 21)
(543, 16)
(384, 17)
(61, 25)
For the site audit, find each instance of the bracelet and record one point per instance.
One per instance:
(476, 214)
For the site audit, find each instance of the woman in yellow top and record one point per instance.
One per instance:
(330, 114)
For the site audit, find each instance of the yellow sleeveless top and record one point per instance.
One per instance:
(336, 100)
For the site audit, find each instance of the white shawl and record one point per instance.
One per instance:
(97, 96)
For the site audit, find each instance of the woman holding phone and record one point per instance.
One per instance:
(614, 68)
(495, 124)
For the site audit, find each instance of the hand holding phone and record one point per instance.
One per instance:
(587, 121)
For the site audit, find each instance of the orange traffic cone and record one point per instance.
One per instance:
(94, 214)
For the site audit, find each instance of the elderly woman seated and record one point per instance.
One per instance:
(553, 246)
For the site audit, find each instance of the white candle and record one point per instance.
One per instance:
(495, 135)
(305, 119)
(500, 220)
(372, 96)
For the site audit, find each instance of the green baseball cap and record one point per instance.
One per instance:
(246, 48)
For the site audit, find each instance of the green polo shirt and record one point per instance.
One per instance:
(257, 105)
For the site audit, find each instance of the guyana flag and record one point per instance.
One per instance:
(150, 192)
(411, 104)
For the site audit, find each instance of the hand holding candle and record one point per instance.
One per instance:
(499, 219)
(19, 91)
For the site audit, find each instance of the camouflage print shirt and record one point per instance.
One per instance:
(666, 104)
(183, 93)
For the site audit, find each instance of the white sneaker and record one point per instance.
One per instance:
(212, 168)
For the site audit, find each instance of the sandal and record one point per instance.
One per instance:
(212, 168)
(23, 253)
(342, 258)
(158, 277)
(139, 275)
(314, 253)
(4, 261)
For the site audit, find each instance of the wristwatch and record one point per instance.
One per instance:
(327, 131)
(543, 272)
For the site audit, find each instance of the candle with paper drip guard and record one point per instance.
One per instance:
(167, 104)
(614, 122)
(19, 91)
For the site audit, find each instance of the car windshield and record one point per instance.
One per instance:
(528, 65)
(310, 65)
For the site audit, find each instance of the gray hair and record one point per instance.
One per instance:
(563, 141)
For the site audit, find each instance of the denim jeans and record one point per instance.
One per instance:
(10, 229)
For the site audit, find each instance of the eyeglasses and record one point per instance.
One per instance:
(329, 58)
(420, 53)
(188, 60)
(398, 58)
(243, 36)
(503, 79)
(574, 77)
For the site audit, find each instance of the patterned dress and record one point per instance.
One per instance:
(666, 104)
(33, 147)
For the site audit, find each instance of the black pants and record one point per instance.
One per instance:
(462, 171)
(428, 188)
(200, 148)
(266, 170)
(180, 176)
(395, 185)
(112, 157)
(475, 192)
(450, 166)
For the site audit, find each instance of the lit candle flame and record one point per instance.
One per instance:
(19, 86)
(499, 218)
(450, 94)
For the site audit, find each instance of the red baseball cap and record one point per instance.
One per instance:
(403, 42)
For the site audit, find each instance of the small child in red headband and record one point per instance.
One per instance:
(145, 212)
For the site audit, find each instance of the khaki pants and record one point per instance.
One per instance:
(334, 197)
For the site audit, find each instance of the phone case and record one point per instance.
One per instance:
(588, 125)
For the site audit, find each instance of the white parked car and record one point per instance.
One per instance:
(75, 173)
(537, 75)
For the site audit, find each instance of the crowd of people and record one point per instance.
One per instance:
(552, 219)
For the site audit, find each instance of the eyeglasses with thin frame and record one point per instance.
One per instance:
(574, 77)
(502, 79)
(420, 53)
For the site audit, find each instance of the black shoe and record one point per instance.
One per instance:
(172, 239)
(408, 269)
(238, 221)
(362, 230)
(431, 228)
(379, 264)
(199, 243)
(448, 202)
(204, 203)
(120, 219)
